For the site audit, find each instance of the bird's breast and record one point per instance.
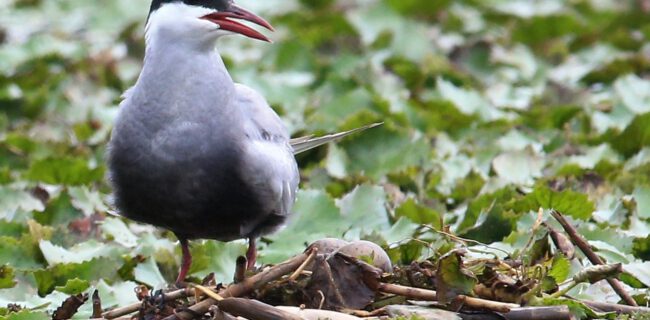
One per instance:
(181, 141)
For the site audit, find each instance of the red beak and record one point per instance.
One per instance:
(235, 12)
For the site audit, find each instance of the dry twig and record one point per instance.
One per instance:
(613, 307)
(254, 310)
(240, 269)
(540, 313)
(302, 267)
(581, 243)
(430, 295)
(244, 287)
(118, 312)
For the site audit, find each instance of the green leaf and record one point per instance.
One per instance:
(59, 211)
(468, 101)
(336, 162)
(68, 171)
(86, 200)
(610, 253)
(74, 286)
(148, 273)
(519, 167)
(642, 198)
(214, 256)
(344, 105)
(635, 136)
(634, 92)
(539, 252)
(364, 208)
(407, 252)
(489, 217)
(574, 204)
(316, 216)
(26, 315)
(403, 229)
(78, 253)
(116, 230)
(419, 8)
(14, 201)
(6, 277)
(419, 214)
(58, 275)
(440, 115)
(546, 117)
(641, 248)
(468, 187)
(640, 270)
(382, 150)
(452, 278)
(117, 294)
(560, 268)
(538, 29)
(21, 253)
(11, 229)
(631, 281)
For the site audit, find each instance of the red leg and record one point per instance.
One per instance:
(251, 253)
(186, 261)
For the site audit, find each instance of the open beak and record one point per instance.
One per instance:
(234, 12)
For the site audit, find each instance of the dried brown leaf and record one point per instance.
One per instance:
(69, 307)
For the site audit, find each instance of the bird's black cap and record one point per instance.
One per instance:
(220, 5)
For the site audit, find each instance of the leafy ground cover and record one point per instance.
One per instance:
(491, 110)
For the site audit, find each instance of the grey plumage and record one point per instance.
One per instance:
(198, 154)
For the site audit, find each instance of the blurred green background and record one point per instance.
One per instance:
(492, 109)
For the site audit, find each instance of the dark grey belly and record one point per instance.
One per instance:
(204, 197)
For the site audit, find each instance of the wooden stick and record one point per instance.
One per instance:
(613, 307)
(254, 310)
(240, 269)
(431, 295)
(302, 267)
(244, 287)
(344, 314)
(208, 292)
(540, 313)
(581, 243)
(220, 315)
(118, 312)
(97, 305)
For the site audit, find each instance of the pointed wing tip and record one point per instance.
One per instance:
(366, 127)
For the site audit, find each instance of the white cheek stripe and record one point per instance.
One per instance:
(176, 14)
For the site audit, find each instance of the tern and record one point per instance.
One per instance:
(192, 151)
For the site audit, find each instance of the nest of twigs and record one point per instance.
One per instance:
(337, 286)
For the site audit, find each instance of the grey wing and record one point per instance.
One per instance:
(267, 123)
(269, 165)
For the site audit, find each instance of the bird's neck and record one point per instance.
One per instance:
(184, 76)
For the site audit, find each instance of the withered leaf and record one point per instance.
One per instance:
(340, 282)
(69, 307)
(562, 243)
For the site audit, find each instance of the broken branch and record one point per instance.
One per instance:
(430, 295)
(581, 243)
